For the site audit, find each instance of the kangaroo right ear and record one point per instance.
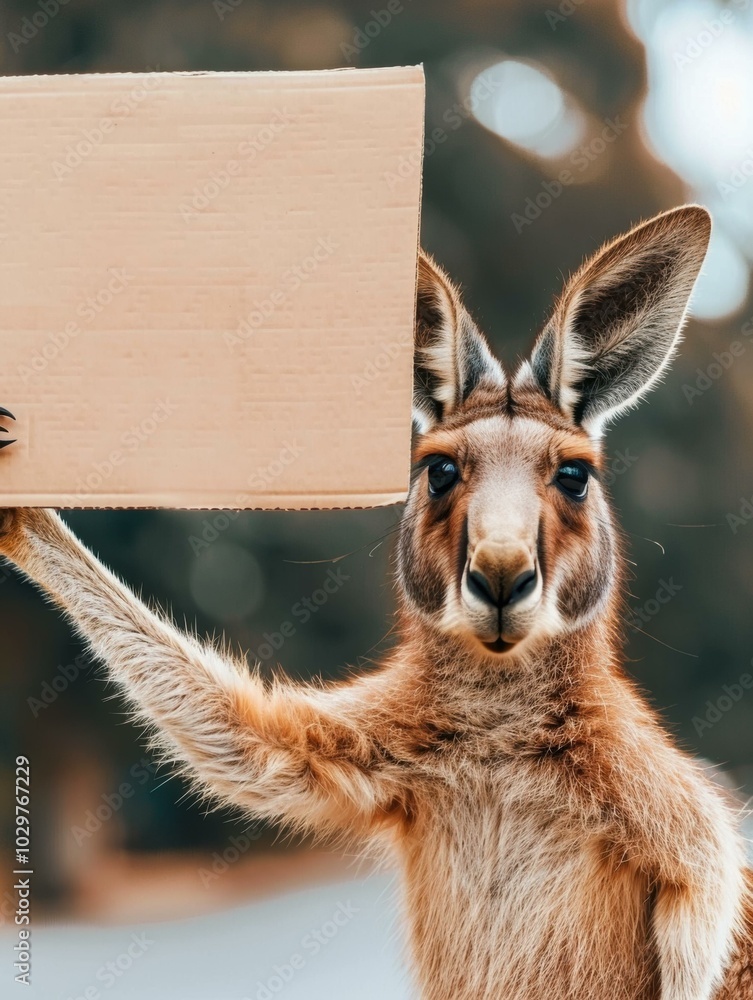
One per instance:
(451, 357)
(618, 322)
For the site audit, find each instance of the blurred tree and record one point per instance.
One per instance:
(676, 463)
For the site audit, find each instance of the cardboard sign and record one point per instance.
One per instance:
(207, 288)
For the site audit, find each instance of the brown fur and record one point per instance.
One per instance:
(554, 843)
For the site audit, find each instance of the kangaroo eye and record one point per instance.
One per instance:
(443, 474)
(572, 479)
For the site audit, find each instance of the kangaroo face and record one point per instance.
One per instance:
(507, 533)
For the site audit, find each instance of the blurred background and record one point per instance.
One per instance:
(551, 126)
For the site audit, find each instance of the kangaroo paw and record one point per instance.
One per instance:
(4, 430)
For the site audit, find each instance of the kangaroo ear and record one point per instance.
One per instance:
(452, 359)
(619, 319)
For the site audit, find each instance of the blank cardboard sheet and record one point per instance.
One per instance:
(207, 288)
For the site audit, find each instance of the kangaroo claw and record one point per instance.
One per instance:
(4, 430)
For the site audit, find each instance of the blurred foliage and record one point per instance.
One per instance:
(688, 465)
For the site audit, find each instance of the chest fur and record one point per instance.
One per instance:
(513, 898)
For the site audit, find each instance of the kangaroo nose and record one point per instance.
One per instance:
(482, 588)
(501, 582)
(522, 586)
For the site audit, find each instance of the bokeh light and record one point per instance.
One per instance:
(697, 119)
(522, 103)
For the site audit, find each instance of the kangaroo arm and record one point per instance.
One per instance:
(675, 825)
(307, 755)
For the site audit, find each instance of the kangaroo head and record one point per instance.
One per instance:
(507, 534)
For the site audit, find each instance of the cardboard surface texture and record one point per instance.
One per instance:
(207, 288)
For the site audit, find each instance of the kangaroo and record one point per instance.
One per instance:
(553, 841)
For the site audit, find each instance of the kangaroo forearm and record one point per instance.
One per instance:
(187, 692)
(277, 752)
(695, 933)
(698, 910)
(681, 833)
(159, 668)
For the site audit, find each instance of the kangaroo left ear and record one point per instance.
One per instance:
(619, 319)
(452, 359)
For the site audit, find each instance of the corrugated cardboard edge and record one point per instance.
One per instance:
(418, 251)
(115, 501)
(359, 73)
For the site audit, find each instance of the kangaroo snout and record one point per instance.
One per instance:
(501, 574)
